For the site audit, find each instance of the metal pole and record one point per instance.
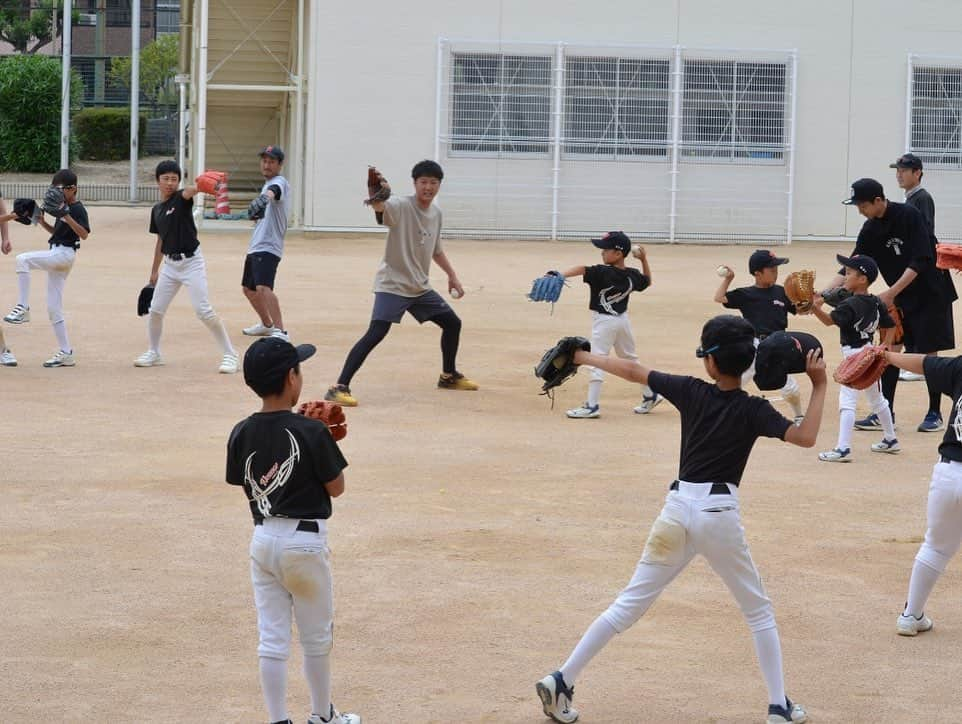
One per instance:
(675, 142)
(181, 80)
(65, 86)
(909, 88)
(200, 78)
(790, 218)
(437, 99)
(559, 85)
(134, 94)
(298, 206)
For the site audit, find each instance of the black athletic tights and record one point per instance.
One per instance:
(890, 379)
(450, 325)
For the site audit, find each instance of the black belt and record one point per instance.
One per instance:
(179, 256)
(943, 459)
(716, 488)
(73, 246)
(308, 526)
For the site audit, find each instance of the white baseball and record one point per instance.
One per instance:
(455, 294)
(722, 271)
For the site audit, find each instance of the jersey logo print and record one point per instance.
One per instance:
(607, 298)
(273, 479)
(866, 333)
(895, 244)
(957, 423)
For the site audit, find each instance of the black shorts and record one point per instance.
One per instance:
(260, 269)
(391, 307)
(929, 329)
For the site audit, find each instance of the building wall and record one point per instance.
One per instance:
(373, 69)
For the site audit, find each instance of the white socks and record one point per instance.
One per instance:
(769, 652)
(846, 422)
(317, 671)
(23, 286)
(274, 686)
(217, 329)
(594, 640)
(920, 586)
(60, 331)
(155, 326)
(594, 393)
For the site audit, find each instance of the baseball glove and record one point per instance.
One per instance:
(144, 299)
(948, 256)
(781, 354)
(558, 364)
(834, 297)
(54, 203)
(330, 413)
(862, 369)
(547, 288)
(257, 207)
(210, 181)
(26, 211)
(800, 289)
(896, 314)
(378, 188)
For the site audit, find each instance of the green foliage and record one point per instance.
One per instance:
(28, 28)
(103, 134)
(158, 65)
(30, 117)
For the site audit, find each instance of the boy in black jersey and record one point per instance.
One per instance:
(858, 317)
(290, 468)
(720, 423)
(172, 220)
(766, 307)
(610, 285)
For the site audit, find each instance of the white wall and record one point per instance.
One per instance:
(373, 77)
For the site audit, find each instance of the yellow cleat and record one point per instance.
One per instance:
(341, 394)
(456, 381)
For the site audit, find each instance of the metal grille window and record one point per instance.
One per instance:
(500, 103)
(733, 110)
(936, 99)
(616, 107)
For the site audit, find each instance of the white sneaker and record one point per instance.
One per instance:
(7, 359)
(556, 698)
(836, 456)
(258, 330)
(908, 625)
(335, 718)
(280, 334)
(648, 404)
(61, 359)
(149, 359)
(906, 376)
(230, 364)
(793, 713)
(585, 412)
(18, 315)
(887, 446)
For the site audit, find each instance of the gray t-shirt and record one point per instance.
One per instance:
(269, 232)
(413, 238)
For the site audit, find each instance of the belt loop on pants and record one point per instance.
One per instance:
(716, 488)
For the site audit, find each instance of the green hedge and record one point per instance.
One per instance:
(30, 118)
(103, 134)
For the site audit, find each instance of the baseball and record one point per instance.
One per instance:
(722, 271)
(455, 294)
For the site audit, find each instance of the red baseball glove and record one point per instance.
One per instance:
(862, 369)
(330, 413)
(948, 256)
(209, 181)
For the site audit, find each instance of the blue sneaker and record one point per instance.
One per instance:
(869, 423)
(793, 713)
(931, 423)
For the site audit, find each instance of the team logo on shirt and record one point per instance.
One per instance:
(895, 244)
(957, 423)
(276, 477)
(609, 296)
(867, 332)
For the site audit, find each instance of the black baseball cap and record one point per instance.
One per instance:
(614, 240)
(907, 160)
(275, 152)
(270, 358)
(762, 259)
(862, 263)
(865, 189)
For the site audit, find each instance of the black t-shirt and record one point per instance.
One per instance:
(718, 428)
(899, 241)
(858, 318)
(62, 234)
(922, 201)
(173, 221)
(610, 287)
(766, 308)
(945, 374)
(283, 461)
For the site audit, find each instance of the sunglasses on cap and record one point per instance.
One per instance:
(701, 353)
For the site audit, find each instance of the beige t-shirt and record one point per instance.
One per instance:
(413, 238)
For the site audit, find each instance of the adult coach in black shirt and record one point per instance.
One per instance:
(896, 236)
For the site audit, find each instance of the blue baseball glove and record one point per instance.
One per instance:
(547, 288)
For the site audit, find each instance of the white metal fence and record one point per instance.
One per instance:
(555, 140)
(933, 132)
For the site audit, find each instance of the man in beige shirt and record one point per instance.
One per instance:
(402, 282)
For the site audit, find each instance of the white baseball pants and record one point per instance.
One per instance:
(848, 401)
(291, 571)
(57, 262)
(610, 331)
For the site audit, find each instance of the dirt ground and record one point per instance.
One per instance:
(480, 533)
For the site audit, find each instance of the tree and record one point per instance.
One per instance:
(158, 65)
(28, 25)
